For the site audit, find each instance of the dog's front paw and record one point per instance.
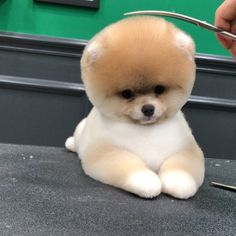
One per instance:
(178, 184)
(144, 183)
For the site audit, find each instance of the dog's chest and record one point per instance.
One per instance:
(152, 143)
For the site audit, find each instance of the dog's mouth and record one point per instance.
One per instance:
(148, 120)
(144, 120)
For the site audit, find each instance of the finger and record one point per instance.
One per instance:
(233, 26)
(224, 16)
(233, 46)
(226, 42)
(233, 50)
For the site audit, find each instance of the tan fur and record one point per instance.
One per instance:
(117, 143)
(139, 44)
(189, 161)
(113, 166)
(106, 159)
(134, 53)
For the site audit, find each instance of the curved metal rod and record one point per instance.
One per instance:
(189, 19)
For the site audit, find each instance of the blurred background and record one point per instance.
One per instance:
(42, 97)
(27, 16)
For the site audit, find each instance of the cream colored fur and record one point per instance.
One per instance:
(118, 143)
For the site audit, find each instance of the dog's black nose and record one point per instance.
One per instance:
(148, 110)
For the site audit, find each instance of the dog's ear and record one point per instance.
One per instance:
(92, 52)
(186, 43)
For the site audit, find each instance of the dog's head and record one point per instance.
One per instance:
(140, 69)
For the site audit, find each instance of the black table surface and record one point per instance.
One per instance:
(43, 191)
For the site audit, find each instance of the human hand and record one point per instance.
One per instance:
(225, 18)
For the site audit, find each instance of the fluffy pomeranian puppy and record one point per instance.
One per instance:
(138, 73)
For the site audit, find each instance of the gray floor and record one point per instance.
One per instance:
(43, 191)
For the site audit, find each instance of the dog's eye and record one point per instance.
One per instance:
(127, 94)
(159, 89)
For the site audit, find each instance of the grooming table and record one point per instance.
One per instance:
(43, 191)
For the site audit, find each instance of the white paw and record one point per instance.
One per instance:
(70, 144)
(144, 183)
(178, 184)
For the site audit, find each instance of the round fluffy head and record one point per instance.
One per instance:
(140, 69)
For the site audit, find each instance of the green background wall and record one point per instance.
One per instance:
(26, 16)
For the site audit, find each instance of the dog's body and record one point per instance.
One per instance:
(136, 138)
(152, 143)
